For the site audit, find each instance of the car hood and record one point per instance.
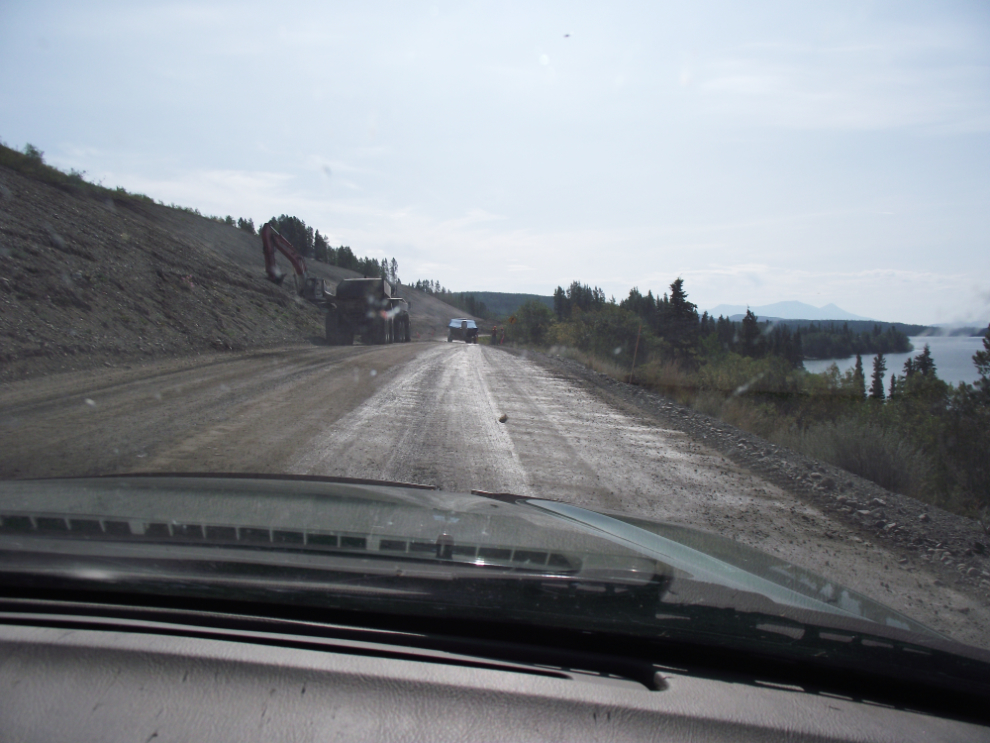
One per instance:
(315, 516)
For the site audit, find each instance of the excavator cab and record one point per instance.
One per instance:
(314, 290)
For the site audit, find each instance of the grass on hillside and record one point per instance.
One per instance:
(31, 163)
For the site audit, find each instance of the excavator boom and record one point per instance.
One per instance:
(270, 241)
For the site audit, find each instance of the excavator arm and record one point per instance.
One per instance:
(270, 241)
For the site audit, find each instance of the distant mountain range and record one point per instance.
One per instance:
(786, 311)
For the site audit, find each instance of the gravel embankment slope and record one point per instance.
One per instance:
(89, 284)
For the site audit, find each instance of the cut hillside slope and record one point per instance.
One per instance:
(429, 315)
(88, 282)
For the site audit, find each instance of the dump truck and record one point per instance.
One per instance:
(365, 308)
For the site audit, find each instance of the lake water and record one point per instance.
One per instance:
(953, 357)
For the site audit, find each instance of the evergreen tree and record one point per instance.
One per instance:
(924, 363)
(321, 248)
(893, 385)
(680, 307)
(727, 332)
(583, 296)
(561, 307)
(879, 369)
(981, 359)
(296, 232)
(346, 258)
(860, 376)
(706, 323)
(678, 324)
(750, 335)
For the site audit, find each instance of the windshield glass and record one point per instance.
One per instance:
(723, 269)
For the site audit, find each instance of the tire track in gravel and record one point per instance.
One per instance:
(434, 424)
(193, 415)
(428, 412)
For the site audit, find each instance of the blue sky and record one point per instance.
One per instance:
(763, 152)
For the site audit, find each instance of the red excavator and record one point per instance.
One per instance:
(312, 290)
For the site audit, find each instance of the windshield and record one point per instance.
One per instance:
(723, 268)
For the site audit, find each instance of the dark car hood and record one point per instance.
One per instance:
(473, 529)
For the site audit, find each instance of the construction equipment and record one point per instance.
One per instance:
(270, 241)
(367, 309)
(311, 289)
(316, 292)
(361, 307)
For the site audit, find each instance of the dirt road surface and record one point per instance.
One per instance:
(429, 413)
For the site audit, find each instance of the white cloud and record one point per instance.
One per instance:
(908, 80)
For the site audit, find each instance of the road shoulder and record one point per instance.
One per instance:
(935, 553)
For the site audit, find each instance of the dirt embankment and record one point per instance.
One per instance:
(87, 283)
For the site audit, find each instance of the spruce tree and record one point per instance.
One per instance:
(981, 359)
(681, 329)
(561, 305)
(750, 335)
(924, 362)
(859, 377)
(879, 369)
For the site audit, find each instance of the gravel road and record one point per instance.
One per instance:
(429, 413)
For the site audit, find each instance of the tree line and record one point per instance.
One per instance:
(947, 426)
(668, 327)
(839, 342)
(924, 437)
